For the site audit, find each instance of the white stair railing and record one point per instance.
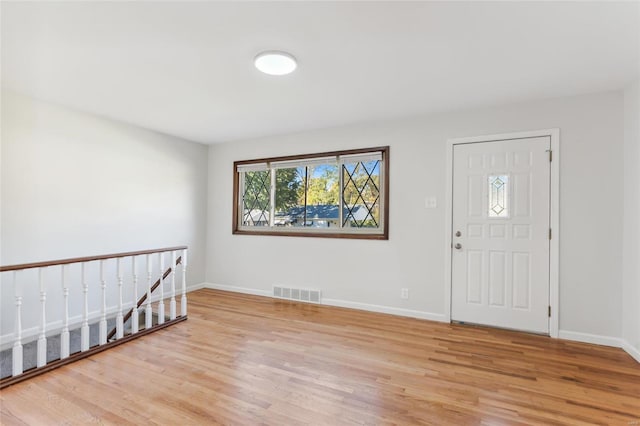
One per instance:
(59, 320)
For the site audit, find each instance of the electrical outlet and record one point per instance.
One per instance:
(404, 293)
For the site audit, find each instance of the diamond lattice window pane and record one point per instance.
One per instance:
(361, 194)
(499, 196)
(256, 198)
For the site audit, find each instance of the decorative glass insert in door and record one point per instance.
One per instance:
(499, 196)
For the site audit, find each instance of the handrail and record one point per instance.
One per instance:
(144, 296)
(69, 279)
(86, 259)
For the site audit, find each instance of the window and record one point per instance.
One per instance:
(334, 194)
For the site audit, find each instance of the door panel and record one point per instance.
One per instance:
(500, 273)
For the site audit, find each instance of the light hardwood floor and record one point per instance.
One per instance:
(242, 359)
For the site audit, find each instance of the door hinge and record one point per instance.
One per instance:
(550, 234)
(549, 311)
(550, 155)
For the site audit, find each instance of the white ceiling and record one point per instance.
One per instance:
(186, 68)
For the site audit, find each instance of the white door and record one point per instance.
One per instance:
(500, 253)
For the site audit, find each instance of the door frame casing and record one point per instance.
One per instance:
(554, 216)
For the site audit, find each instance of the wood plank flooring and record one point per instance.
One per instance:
(242, 359)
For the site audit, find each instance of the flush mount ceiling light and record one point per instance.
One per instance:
(273, 62)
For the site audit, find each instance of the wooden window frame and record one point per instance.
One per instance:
(363, 233)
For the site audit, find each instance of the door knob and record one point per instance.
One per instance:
(458, 246)
(458, 234)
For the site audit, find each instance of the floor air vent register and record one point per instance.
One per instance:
(301, 294)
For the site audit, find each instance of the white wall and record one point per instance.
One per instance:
(372, 272)
(631, 239)
(74, 184)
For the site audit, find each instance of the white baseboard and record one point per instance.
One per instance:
(235, 289)
(596, 339)
(341, 303)
(194, 287)
(385, 309)
(631, 350)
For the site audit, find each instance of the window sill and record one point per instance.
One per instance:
(318, 234)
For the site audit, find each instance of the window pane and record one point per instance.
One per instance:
(361, 194)
(255, 198)
(323, 196)
(499, 196)
(289, 196)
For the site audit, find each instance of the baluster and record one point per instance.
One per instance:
(42, 340)
(84, 330)
(134, 311)
(17, 345)
(64, 336)
(183, 299)
(103, 312)
(119, 315)
(172, 303)
(148, 320)
(161, 302)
